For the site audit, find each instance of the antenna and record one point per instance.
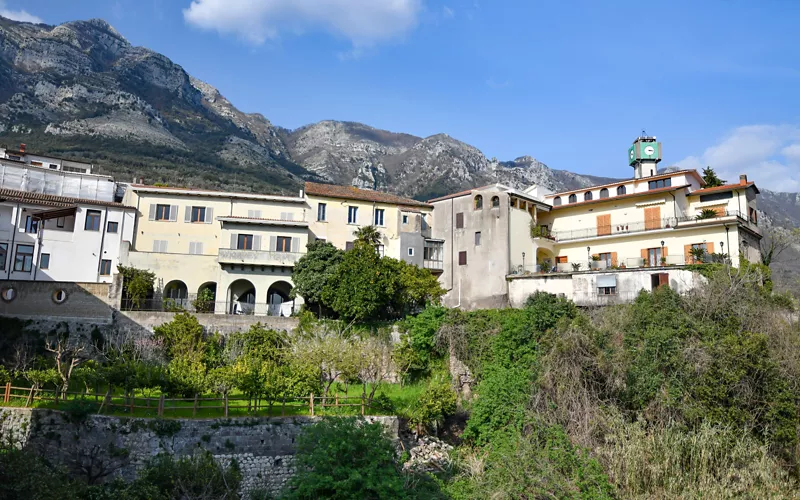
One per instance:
(644, 133)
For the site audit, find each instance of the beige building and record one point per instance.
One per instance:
(586, 243)
(404, 224)
(241, 246)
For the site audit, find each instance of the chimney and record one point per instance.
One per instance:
(743, 179)
(22, 148)
(141, 180)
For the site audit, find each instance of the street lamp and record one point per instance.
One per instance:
(663, 257)
(523, 261)
(589, 257)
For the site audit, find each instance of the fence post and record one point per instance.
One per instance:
(337, 399)
(311, 403)
(226, 405)
(131, 402)
(363, 402)
(7, 395)
(161, 406)
(194, 410)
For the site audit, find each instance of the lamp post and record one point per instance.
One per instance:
(523, 261)
(663, 257)
(722, 249)
(589, 257)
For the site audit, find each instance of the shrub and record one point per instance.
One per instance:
(437, 402)
(198, 476)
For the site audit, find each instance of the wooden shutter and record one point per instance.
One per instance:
(234, 241)
(460, 220)
(720, 211)
(687, 253)
(663, 279)
(152, 211)
(187, 216)
(645, 256)
(462, 258)
(604, 225)
(709, 248)
(273, 244)
(614, 259)
(295, 245)
(156, 245)
(257, 242)
(562, 259)
(652, 218)
(209, 215)
(173, 213)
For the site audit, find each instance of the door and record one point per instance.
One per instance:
(652, 218)
(604, 225)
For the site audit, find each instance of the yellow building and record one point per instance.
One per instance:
(240, 246)
(404, 223)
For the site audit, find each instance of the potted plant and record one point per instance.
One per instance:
(707, 213)
(698, 254)
(663, 261)
(576, 266)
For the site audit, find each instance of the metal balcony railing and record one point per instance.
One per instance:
(638, 227)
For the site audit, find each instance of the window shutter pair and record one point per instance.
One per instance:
(160, 246)
(173, 213)
(254, 214)
(196, 247)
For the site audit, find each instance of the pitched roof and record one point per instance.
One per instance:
(722, 189)
(624, 181)
(459, 194)
(354, 193)
(52, 200)
(622, 197)
(210, 192)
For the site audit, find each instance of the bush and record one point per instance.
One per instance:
(199, 476)
(437, 402)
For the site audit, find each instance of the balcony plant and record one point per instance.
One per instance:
(576, 266)
(663, 261)
(707, 213)
(698, 254)
(539, 231)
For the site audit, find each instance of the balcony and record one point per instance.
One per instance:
(258, 257)
(603, 266)
(644, 226)
(433, 265)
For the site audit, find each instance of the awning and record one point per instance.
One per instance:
(56, 213)
(607, 281)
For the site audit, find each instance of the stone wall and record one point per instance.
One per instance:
(264, 448)
(222, 323)
(60, 301)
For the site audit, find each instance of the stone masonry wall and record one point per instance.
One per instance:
(85, 302)
(264, 448)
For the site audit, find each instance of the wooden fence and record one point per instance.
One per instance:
(164, 405)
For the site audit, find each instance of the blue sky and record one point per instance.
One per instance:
(570, 83)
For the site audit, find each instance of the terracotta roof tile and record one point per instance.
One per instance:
(52, 200)
(353, 193)
(624, 181)
(721, 189)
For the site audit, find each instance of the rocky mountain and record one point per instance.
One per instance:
(81, 89)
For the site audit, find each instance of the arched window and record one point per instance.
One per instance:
(587, 196)
(478, 202)
(604, 193)
(556, 201)
(573, 198)
(621, 190)
(495, 201)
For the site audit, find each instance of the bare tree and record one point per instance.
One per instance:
(777, 240)
(374, 364)
(68, 354)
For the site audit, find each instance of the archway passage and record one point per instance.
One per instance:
(176, 294)
(545, 259)
(206, 297)
(279, 303)
(241, 297)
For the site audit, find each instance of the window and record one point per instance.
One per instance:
(606, 257)
(379, 212)
(113, 227)
(433, 251)
(3, 252)
(198, 214)
(716, 196)
(92, 220)
(244, 242)
(195, 248)
(462, 258)
(59, 296)
(53, 166)
(495, 201)
(604, 193)
(105, 267)
(23, 261)
(654, 257)
(349, 245)
(60, 221)
(477, 238)
(381, 250)
(556, 201)
(661, 183)
(36, 163)
(607, 285)
(162, 212)
(460, 220)
(284, 244)
(478, 202)
(256, 214)
(573, 198)
(587, 196)
(322, 212)
(405, 219)
(607, 290)
(352, 215)
(753, 215)
(44, 261)
(621, 190)
(160, 246)
(410, 251)
(31, 226)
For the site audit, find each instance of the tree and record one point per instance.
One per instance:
(369, 235)
(67, 354)
(137, 285)
(183, 343)
(314, 270)
(414, 288)
(342, 458)
(776, 241)
(711, 179)
(359, 288)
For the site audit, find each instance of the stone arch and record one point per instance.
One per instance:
(241, 297)
(206, 306)
(277, 295)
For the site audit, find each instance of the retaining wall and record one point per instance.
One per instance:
(264, 448)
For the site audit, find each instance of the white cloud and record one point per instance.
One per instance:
(363, 22)
(18, 15)
(448, 13)
(768, 154)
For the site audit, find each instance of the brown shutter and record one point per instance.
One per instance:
(709, 248)
(462, 258)
(720, 211)
(614, 259)
(459, 220)
(644, 255)
(663, 279)
(652, 218)
(562, 259)
(604, 225)
(687, 253)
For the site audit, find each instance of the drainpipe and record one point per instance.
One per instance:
(674, 205)
(135, 221)
(38, 256)
(104, 224)
(13, 239)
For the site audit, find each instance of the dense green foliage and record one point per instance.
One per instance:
(360, 285)
(711, 179)
(137, 285)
